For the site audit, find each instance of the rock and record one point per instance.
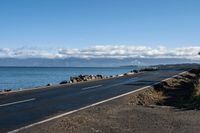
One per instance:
(120, 75)
(130, 73)
(93, 77)
(7, 90)
(74, 81)
(113, 76)
(49, 84)
(64, 82)
(82, 78)
(134, 71)
(149, 69)
(100, 76)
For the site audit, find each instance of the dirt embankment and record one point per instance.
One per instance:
(165, 107)
(178, 92)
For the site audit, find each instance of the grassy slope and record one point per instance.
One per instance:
(195, 102)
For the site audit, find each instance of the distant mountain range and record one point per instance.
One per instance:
(93, 62)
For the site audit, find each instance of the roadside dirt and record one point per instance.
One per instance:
(161, 108)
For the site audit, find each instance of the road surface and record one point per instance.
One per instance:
(27, 107)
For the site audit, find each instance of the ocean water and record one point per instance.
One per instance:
(27, 77)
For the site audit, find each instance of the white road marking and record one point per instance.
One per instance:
(23, 101)
(73, 111)
(125, 82)
(92, 105)
(86, 88)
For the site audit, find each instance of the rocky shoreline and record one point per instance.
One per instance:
(85, 78)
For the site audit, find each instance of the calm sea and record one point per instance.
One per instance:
(26, 77)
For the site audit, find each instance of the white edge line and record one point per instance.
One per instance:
(73, 111)
(23, 101)
(92, 105)
(86, 88)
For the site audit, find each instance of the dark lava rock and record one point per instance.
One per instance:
(64, 82)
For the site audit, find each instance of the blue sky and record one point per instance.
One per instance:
(86, 23)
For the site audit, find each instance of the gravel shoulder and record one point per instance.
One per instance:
(118, 117)
(161, 108)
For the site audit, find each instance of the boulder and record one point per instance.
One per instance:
(149, 69)
(120, 75)
(7, 90)
(113, 76)
(49, 84)
(74, 81)
(134, 71)
(93, 77)
(64, 82)
(99, 76)
(130, 73)
(82, 78)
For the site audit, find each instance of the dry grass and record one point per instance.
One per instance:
(195, 102)
(198, 90)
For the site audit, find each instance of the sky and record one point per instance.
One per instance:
(46, 28)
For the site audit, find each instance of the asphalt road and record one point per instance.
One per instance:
(26, 107)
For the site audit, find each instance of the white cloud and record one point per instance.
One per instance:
(5, 52)
(106, 51)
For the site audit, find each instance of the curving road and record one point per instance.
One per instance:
(26, 107)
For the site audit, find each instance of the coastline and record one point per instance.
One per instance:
(60, 85)
(33, 77)
(49, 85)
